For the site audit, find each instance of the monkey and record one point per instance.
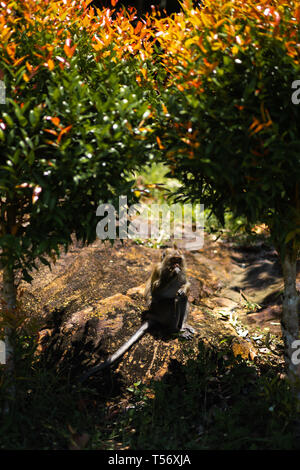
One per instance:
(166, 294)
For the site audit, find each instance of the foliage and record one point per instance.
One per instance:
(46, 405)
(228, 128)
(74, 125)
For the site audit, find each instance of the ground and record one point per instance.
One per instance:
(92, 301)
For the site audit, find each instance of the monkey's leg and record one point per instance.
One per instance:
(182, 308)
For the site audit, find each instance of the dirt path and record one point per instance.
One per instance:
(252, 284)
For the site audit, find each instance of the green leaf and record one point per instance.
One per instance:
(7, 118)
(34, 116)
(290, 236)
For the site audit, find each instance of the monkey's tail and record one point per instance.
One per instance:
(119, 353)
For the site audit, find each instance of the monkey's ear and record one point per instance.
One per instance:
(175, 247)
(163, 254)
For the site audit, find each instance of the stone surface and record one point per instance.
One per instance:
(91, 302)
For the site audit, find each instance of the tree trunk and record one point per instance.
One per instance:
(290, 320)
(9, 307)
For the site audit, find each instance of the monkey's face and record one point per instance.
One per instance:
(173, 261)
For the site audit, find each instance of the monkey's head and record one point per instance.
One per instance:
(173, 261)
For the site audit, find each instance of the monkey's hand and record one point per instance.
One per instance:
(181, 293)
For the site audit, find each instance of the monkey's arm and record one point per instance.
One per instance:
(185, 289)
(122, 350)
(153, 280)
(170, 289)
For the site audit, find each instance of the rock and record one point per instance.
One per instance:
(225, 302)
(243, 348)
(95, 296)
(137, 291)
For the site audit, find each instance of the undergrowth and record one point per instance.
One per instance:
(216, 401)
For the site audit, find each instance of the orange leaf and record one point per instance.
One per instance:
(114, 2)
(259, 128)
(11, 50)
(144, 73)
(165, 110)
(55, 121)
(138, 27)
(160, 145)
(28, 66)
(220, 22)
(50, 63)
(64, 131)
(18, 61)
(254, 123)
(69, 51)
(51, 131)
